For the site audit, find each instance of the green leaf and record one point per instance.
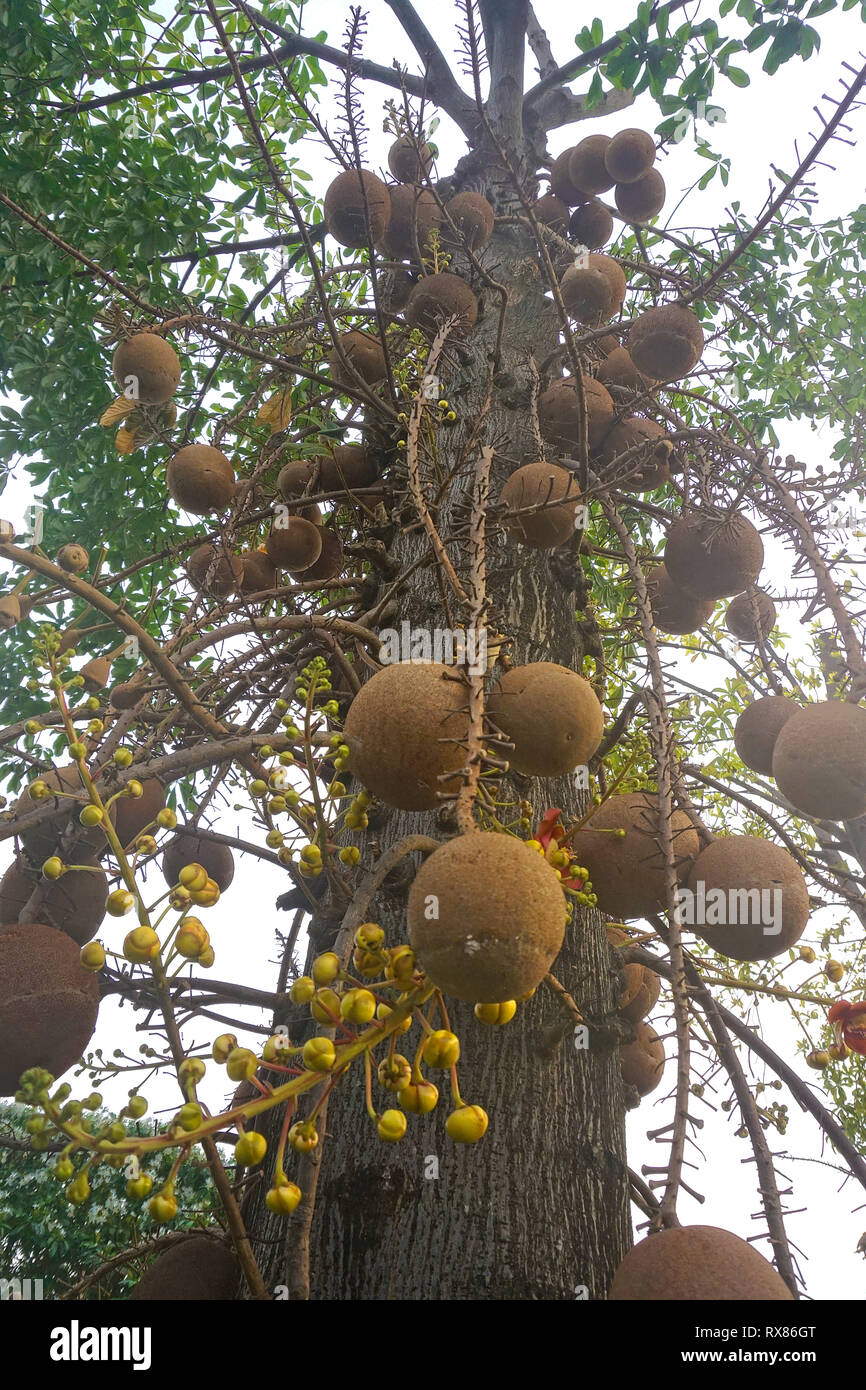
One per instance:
(595, 92)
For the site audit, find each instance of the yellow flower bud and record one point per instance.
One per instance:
(467, 1124)
(250, 1149)
(319, 1054)
(391, 1126)
(441, 1049)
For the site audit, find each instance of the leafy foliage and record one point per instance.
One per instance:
(41, 1239)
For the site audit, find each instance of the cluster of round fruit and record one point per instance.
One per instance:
(408, 223)
(406, 728)
(625, 163)
(642, 1060)
(202, 481)
(634, 450)
(406, 732)
(707, 558)
(816, 753)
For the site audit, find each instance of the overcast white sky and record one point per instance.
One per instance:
(762, 125)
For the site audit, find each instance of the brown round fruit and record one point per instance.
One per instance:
(586, 166)
(294, 544)
(73, 903)
(638, 432)
(642, 1062)
(347, 466)
(642, 985)
(73, 558)
(630, 155)
(713, 558)
(561, 185)
(294, 478)
(127, 694)
(605, 345)
(437, 298)
(591, 224)
(558, 412)
(536, 484)
(201, 479)
(819, 761)
(552, 212)
(188, 848)
(202, 1268)
(643, 199)
(617, 369)
(550, 714)
(593, 292)
(357, 208)
(414, 215)
(259, 572)
(744, 623)
(365, 354)
(409, 160)
(486, 917)
(628, 873)
(146, 367)
(748, 898)
(757, 729)
(48, 1003)
(473, 218)
(688, 1263)
(673, 609)
(214, 570)
(330, 562)
(395, 729)
(586, 295)
(667, 342)
(134, 814)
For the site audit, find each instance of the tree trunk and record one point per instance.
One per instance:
(539, 1208)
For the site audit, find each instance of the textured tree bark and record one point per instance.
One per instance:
(539, 1209)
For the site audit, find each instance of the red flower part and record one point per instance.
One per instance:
(547, 827)
(839, 1010)
(849, 1022)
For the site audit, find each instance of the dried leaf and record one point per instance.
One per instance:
(125, 441)
(118, 410)
(276, 412)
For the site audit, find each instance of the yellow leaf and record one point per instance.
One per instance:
(276, 412)
(125, 441)
(118, 410)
